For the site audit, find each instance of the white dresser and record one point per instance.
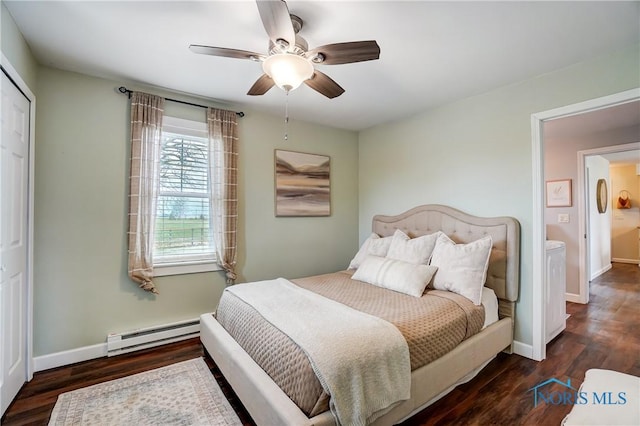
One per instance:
(555, 281)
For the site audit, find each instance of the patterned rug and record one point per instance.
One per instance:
(184, 393)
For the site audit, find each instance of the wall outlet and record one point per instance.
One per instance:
(563, 218)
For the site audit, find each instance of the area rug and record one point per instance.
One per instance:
(184, 393)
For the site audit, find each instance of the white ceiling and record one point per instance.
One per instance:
(431, 52)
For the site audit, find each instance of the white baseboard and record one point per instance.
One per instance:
(71, 356)
(59, 359)
(620, 260)
(523, 349)
(575, 298)
(600, 272)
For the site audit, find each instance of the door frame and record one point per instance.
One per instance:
(538, 225)
(584, 245)
(13, 74)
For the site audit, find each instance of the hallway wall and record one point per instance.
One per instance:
(599, 223)
(625, 222)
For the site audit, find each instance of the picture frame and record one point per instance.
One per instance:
(558, 193)
(302, 184)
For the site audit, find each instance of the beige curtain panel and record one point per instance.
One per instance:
(146, 129)
(223, 181)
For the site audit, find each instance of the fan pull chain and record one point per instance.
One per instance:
(286, 117)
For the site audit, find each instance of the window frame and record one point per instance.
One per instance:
(174, 266)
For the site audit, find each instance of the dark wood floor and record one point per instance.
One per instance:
(603, 334)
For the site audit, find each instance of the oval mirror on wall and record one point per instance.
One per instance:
(601, 195)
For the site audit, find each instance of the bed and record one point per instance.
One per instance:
(268, 404)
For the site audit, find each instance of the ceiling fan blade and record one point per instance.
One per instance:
(224, 52)
(277, 21)
(322, 83)
(346, 53)
(261, 86)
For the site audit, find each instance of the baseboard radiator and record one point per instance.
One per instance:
(143, 338)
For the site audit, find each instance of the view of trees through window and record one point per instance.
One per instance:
(182, 220)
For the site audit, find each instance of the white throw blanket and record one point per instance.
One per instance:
(361, 361)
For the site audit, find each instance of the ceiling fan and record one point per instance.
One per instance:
(289, 62)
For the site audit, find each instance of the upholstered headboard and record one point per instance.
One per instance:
(503, 274)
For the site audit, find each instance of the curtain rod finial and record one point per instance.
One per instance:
(124, 90)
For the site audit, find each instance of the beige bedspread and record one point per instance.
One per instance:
(432, 325)
(361, 360)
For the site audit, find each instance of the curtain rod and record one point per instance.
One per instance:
(128, 92)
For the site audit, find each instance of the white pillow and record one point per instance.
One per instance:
(363, 252)
(462, 268)
(490, 303)
(372, 245)
(413, 250)
(380, 246)
(397, 275)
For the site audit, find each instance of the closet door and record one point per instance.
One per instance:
(14, 185)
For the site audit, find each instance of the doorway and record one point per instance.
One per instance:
(538, 120)
(591, 265)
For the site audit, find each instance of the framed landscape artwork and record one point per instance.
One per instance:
(303, 184)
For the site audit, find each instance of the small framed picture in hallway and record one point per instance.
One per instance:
(559, 193)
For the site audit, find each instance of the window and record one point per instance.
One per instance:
(183, 238)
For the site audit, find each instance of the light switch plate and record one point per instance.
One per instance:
(563, 218)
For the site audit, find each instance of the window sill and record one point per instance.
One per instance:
(167, 269)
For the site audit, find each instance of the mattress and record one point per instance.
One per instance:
(432, 325)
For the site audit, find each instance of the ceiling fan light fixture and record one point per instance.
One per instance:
(288, 71)
(288, 61)
(282, 44)
(318, 58)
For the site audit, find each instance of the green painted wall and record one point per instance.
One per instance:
(476, 154)
(82, 291)
(16, 50)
